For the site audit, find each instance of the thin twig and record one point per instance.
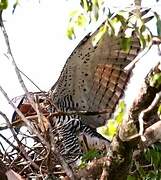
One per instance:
(18, 122)
(104, 173)
(31, 81)
(7, 141)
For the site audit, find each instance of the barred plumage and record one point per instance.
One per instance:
(69, 133)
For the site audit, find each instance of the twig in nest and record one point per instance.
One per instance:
(42, 120)
(20, 147)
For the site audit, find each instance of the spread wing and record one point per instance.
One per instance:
(93, 78)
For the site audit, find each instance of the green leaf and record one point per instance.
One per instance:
(81, 21)
(103, 130)
(159, 111)
(109, 130)
(155, 80)
(158, 23)
(145, 35)
(153, 155)
(86, 5)
(70, 32)
(3, 4)
(126, 43)
(142, 28)
(131, 177)
(88, 156)
(95, 3)
(110, 14)
(99, 35)
(142, 41)
(141, 171)
(159, 27)
(120, 112)
(14, 6)
(112, 26)
(120, 18)
(112, 128)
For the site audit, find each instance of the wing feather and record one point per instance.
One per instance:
(94, 77)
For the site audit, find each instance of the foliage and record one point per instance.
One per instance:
(148, 166)
(90, 11)
(158, 23)
(4, 5)
(125, 21)
(111, 128)
(155, 80)
(88, 156)
(15, 5)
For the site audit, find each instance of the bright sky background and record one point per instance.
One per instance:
(39, 44)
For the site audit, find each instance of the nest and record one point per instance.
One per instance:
(31, 149)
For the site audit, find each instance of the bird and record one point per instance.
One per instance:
(93, 79)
